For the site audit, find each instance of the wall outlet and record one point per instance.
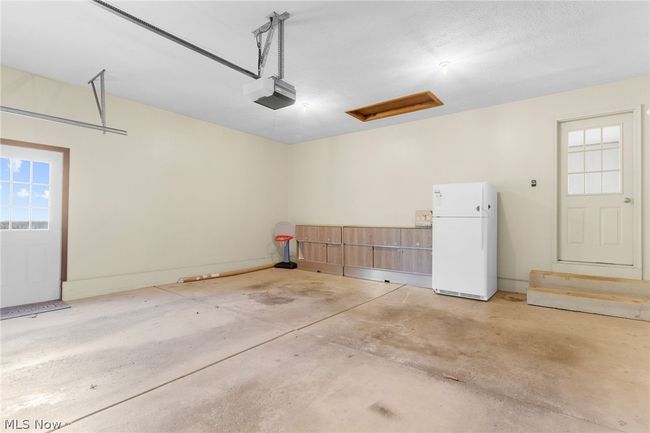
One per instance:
(423, 218)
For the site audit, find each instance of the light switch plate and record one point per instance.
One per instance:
(423, 218)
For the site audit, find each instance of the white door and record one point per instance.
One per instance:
(596, 218)
(459, 255)
(30, 225)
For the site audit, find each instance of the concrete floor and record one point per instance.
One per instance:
(282, 350)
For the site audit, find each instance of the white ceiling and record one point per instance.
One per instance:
(339, 55)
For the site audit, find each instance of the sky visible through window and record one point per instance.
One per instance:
(24, 194)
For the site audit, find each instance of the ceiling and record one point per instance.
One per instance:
(339, 55)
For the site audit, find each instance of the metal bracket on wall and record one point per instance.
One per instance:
(275, 21)
(101, 106)
(101, 100)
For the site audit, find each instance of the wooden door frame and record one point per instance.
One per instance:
(65, 187)
(607, 270)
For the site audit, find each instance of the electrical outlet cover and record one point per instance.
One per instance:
(423, 218)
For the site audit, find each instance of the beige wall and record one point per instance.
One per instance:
(175, 197)
(383, 175)
(178, 196)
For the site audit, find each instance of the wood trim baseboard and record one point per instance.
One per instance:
(65, 193)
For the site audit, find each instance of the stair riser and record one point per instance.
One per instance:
(586, 305)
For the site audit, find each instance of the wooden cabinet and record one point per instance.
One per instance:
(358, 256)
(379, 253)
(330, 235)
(384, 236)
(387, 258)
(305, 233)
(357, 235)
(418, 261)
(335, 254)
(416, 238)
(312, 252)
(322, 234)
(320, 248)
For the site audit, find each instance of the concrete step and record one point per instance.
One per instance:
(620, 297)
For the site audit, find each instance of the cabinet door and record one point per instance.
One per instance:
(387, 258)
(330, 235)
(335, 254)
(384, 236)
(416, 261)
(313, 252)
(358, 256)
(357, 235)
(301, 233)
(416, 238)
(307, 233)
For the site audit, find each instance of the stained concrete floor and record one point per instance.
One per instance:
(282, 350)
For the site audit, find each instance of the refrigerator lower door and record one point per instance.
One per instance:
(460, 257)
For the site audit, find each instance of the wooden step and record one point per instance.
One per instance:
(620, 297)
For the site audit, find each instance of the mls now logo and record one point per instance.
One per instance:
(37, 424)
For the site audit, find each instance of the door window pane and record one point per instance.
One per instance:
(40, 195)
(576, 138)
(576, 184)
(20, 195)
(612, 134)
(19, 218)
(41, 172)
(40, 219)
(592, 183)
(576, 162)
(612, 181)
(20, 170)
(592, 161)
(611, 159)
(24, 195)
(592, 136)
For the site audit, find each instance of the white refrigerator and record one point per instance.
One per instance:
(465, 240)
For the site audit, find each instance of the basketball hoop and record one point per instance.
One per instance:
(284, 232)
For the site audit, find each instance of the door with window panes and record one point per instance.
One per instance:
(30, 225)
(596, 221)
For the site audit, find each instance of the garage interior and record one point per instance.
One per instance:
(325, 216)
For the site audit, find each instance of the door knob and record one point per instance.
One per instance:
(627, 200)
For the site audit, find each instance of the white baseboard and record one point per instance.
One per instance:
(512, 285)
(85, 288)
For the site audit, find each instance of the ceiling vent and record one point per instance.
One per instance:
(394, 107)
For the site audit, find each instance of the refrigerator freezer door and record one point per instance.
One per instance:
(458, 199)
(460, 255)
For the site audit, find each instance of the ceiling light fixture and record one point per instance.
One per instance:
(305, 107)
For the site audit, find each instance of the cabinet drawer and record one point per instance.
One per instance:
(416, 261)
(312, 252)
(387, 258)
(358, 256)
(307, 233)
(416, 238)
(384, 236)
(330, 235)
(335, 254)
(357, 235)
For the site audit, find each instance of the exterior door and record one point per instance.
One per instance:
(30, 225)
(596, 221)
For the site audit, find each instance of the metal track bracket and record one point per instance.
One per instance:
(275, 21)
(101, 99)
